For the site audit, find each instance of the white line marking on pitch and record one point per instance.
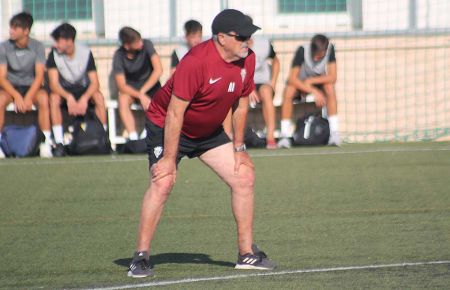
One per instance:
(288, 272)
(280, 154)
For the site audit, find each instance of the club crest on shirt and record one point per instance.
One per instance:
(157, 151)
(243, 74)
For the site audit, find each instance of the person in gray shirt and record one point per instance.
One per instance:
(313, 71)
(136, 70)
(73, 80)
(265, 78)
(22, 67)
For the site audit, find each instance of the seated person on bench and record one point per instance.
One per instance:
(313, 71)
(73, 81)
(136, 69)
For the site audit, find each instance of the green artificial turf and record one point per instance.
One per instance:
(71, 222)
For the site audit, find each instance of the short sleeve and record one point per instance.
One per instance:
(332, 57)
(149, 48)
(299, 57)
(117, 65)
(91, 63)
(188, 78)
(40, 53)
(51, 60)
(249, 84)
(272, 52)
(174, 60)
(3, 59)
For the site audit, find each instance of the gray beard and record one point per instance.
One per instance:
(243, 55)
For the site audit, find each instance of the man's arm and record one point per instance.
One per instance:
(124, 88)
(239, 120)
(155, 75)
(329, 78)
(172, 130)
(6, 85)
(299, 84)
(305, 86)
(275, 71)
(35, 85)
(93, 87)
(55, 86)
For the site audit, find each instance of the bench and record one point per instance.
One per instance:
(255, 119)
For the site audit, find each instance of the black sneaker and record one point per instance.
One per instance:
(256, 261)
(58, 150)
(140, 266)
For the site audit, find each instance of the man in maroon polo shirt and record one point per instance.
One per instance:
(185, 119)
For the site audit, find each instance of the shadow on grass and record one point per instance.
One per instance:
(177, 258)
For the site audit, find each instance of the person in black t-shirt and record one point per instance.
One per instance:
(136, 70)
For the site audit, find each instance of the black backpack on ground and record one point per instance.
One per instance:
(311, 130)
(252, 140)
(134, 147)
(89, 137)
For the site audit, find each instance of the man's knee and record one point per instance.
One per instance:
(124, 100)
(5, 99)
(55, 100)
(329, 91)
(99, 101)
(161, 189)
(289, 94)
(42, 100)
(244, 179)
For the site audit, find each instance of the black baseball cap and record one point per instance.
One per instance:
(233, 20)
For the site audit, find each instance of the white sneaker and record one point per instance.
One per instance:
(45, 150)
(334, 139)
(284, 143)
(2, 155)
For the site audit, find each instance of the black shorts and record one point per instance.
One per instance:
(188, 146)
(77, 92)
(258, 86)
(22, 90)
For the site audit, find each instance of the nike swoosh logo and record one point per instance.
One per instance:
(212, 81)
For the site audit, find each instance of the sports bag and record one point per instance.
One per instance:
(134, 147)
(311, 130)
(21, 141)
(89, 137)
(252, 140)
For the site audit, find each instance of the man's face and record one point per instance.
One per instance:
(135, 46)
(319, 55)
(17, 32)
(63, 45)
(192, 39)
(237, 45)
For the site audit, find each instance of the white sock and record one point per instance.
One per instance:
(48, 136)
(334, 123)
(105, 127)
(133, 135)
(58, 134)
(285, 127)
(324, 112)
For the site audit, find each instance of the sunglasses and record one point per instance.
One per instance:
(239, 37)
